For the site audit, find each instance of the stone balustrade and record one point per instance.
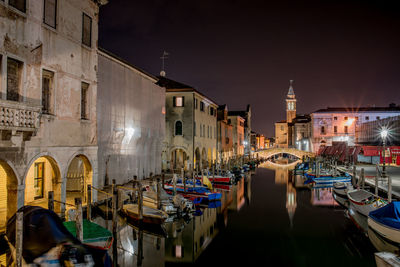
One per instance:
(19, 116)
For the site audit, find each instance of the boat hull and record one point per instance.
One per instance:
(387, 232)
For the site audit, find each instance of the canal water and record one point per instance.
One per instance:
(268, 219)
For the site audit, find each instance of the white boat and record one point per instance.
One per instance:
(339, 193)
(386, 259)
(386, 222)
(364, 201)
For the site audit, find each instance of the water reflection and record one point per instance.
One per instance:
(268, 217)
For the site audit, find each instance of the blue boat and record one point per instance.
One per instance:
(386, 222)
(327, 179)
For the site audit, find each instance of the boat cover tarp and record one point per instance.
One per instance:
(388, 215)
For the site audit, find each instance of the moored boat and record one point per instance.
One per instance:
(386, 221)
(364, 201)
(150, 215)
(193, 192)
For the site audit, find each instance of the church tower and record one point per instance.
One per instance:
(290, 104)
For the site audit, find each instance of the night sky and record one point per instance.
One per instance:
(339, 53)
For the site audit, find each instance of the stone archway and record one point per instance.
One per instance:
(8, 193)
(42, 177)
(178, 159)
(209, 157)
(78, 177)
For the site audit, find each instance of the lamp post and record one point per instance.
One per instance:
(384, 134)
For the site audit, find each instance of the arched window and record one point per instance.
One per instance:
(178, 128)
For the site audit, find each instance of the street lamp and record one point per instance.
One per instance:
(384, 134)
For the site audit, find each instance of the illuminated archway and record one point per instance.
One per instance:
(42, 177)
(8, 193)
(179, 159)
(197, 158)
(79, 176)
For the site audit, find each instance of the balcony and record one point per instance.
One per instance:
(18, 116)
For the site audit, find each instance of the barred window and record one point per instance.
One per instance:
(50, 12)
(14, 75)
(86, 30)
(18, 4)
(84, 101)
(47, 91)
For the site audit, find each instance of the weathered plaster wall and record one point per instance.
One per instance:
(131, 123)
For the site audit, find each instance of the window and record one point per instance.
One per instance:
(178, 101)
(14, 74)
(211, 111)
(367, 118)
(201, 106)
(18, 4)
(346, 129)
(195, 103)
(84, 101)
(86, 30)
(346, 118)
(282, 128)
(322, 129)
(50, 12)
(38, 180)
(208, 131)
(335, 118)
(378, 118)
(178, 128)
(335, 129)
(47, 91)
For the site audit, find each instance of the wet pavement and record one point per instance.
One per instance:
(267, 219)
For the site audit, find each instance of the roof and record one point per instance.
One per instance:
(291, 91)
(222, 107)
(284, 121)
(174, 86)
(237, 113)
(109, 54)
(358, 109)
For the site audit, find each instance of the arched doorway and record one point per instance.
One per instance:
(8, 193)
(209, 158)
(178, 159)
(79, 176)
(203, 158)
(197, 159)
(43, 176)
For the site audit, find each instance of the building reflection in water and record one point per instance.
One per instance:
(322, 197)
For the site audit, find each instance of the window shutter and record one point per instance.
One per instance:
(183, 101)
(174, 101)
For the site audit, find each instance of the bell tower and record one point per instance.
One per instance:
(290, 104)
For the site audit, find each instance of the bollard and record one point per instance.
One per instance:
(79, 219)
(389, 188)
(89, 202)
(376, 182)
(158, 194)
(50, 200)
(19, 232)
(140, 201)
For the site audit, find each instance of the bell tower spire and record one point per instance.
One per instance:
(290, 103)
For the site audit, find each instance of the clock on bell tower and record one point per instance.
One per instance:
(290, 104)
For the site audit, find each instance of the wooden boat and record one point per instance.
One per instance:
(339, 193)
(219, 179)
(386, 221)
(152, 216)
(93, 234)
(150, 200)
(364, 201)
(386, 259)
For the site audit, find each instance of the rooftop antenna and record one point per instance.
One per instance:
(163, 58)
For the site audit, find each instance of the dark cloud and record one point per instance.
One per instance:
(340, 53)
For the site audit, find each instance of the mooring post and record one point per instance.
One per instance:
(119, 199)
(389, 188)
(158, 194)
(174, 182)
(89, 202)
(79, 219)
(183, 179)
(19, 235)
(140, 201)
(140, 248)
(376, 181)
(163, 180)
(50, 200)
(354, 178)
(362, 179)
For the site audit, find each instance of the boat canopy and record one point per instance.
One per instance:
(388, 215)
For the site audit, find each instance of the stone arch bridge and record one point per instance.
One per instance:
(268, 153)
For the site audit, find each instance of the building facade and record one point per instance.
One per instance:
(130, 121)
(246, 115)
(339, 124)
(237, 123)
(191, 127)
(48, 101)
(225, 135)
(301, 132)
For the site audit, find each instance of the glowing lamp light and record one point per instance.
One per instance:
(350, 121)
(384, 133)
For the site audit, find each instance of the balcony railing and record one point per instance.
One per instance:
(19, 116)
